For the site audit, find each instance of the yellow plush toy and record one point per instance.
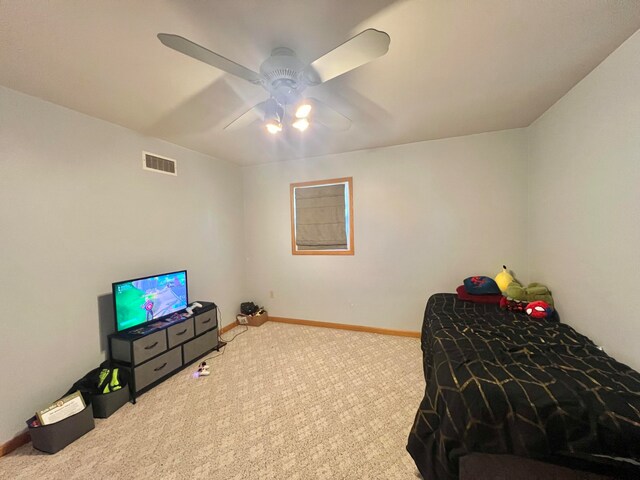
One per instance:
(503, 279)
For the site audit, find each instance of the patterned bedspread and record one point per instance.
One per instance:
(498, 382)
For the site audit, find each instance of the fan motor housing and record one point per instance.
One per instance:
(281, 72)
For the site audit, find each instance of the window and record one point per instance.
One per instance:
(322, 217)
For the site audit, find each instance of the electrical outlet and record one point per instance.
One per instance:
(271, 293)
(242, 320)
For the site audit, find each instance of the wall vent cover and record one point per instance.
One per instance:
(159, 164)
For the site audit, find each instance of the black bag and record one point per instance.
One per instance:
(89, 385)
(248, 308)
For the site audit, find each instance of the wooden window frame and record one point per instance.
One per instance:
(331, 181)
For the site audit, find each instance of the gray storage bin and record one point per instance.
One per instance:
(200, 345)
(105, 405)
(53, 438)
(157, 368)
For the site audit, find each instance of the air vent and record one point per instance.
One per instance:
(159, 164)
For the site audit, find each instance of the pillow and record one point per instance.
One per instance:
(481, 286)
(464, 295)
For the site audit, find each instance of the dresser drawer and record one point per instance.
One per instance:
(206, 321)
(180, 333)
(157, 368)
(199, 345)
(149, 346)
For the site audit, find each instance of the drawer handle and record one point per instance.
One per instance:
(160, 367)
(182, 332)
(149, 347)
(207, 320)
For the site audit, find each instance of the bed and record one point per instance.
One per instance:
(498, 382)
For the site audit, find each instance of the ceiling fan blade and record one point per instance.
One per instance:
(363, 48)
(254, 113)
(198, 52)
(327, 116)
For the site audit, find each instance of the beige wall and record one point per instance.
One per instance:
(77, 212)
(426, 216)
(584, 203)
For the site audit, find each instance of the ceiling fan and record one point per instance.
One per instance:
(285, 78)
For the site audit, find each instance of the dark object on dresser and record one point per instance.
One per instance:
(501, 383)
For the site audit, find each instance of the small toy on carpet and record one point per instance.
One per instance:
(203, 370)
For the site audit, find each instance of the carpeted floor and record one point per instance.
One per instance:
(283, 402)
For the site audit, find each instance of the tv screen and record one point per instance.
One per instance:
(145, 299)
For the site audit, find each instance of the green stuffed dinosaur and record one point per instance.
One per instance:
(533, 292)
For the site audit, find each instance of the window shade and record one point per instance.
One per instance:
(320, 218)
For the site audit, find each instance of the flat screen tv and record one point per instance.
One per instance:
(142, 300)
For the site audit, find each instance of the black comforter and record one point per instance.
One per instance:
(499, 382)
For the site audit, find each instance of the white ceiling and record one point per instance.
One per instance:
(454, 67)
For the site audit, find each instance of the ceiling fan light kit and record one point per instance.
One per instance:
(303, 110)
(301, 124)
(273, 115)
(273, 127)
(285, 77)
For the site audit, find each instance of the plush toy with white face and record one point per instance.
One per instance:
(539, 309)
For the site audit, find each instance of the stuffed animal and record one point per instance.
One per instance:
(512, 305)
(503, 279)
(530, 293)
(539, 310)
